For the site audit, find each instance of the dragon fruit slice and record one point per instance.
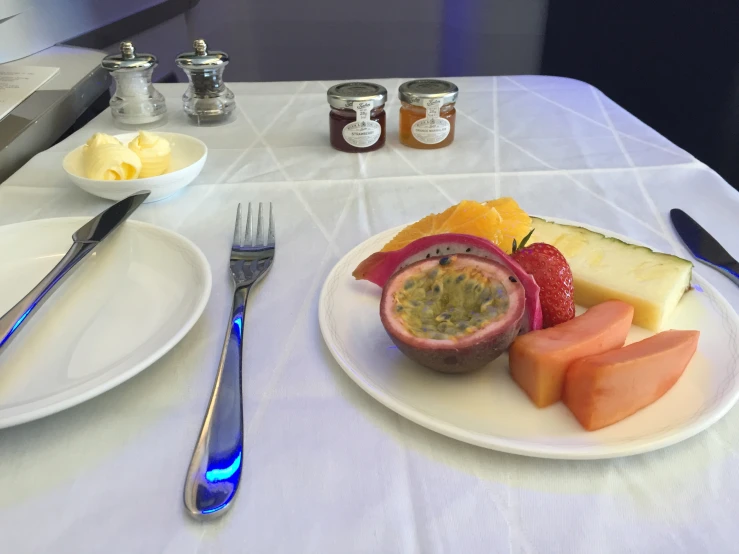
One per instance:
(378, 267)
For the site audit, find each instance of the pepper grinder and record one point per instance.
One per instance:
(136, 104)
(207, 99)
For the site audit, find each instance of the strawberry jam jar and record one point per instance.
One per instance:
(357, 117)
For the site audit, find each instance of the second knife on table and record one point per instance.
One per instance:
(703, 246)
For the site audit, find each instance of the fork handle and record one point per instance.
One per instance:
(215, 469)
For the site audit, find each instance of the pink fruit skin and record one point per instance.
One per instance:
(378, 267)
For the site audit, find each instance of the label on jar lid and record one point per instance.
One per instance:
(432, 129)
(363, 132)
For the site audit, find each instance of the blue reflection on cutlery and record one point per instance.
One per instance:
(215, 468)
(222, 474)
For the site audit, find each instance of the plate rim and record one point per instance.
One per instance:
(502, 444)
(16, 415)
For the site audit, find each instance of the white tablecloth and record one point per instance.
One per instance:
(327, 469)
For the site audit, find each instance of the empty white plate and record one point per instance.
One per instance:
(134, 298)
(488, 409)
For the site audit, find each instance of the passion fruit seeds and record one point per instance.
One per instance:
(446, 302)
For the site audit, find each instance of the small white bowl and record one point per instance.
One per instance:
(188, 159)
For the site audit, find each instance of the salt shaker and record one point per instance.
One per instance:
(207, 99)
(136, 104)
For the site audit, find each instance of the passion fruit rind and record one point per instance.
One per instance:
(453, 313)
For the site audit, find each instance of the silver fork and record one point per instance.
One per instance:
(215, 469)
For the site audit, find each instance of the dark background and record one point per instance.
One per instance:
(674, 65)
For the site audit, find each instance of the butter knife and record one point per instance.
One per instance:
(703, 246)
(85, 239)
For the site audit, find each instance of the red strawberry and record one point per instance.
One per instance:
(553, 275)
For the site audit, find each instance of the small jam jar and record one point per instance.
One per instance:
(427, 113)
(357, 117)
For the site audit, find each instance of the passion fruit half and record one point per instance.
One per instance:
(453, 314)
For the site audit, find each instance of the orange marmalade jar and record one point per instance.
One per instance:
(427, 113)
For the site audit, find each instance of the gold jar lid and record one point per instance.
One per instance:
(418, 90)
(343, 95)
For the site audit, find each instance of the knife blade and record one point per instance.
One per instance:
(703, 246)
(84, 241)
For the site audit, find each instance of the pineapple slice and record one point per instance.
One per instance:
(606, 268)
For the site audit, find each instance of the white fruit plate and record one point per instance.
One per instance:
(488, 409)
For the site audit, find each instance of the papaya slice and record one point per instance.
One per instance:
(539, 360)
(603, 389)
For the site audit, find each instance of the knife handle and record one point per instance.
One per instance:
(19, 314)
(731, 271)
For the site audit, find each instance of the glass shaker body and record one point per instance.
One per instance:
(136, 104)
(207, 99)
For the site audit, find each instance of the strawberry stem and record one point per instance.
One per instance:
(523, 242)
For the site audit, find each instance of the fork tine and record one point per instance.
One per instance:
(260, 228)
(271, 232)
(237, 227)
(246, 237)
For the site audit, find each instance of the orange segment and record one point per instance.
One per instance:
(468, 217)
(499, 221)
(516, 222)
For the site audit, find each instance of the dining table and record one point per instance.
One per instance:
(326, 468)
